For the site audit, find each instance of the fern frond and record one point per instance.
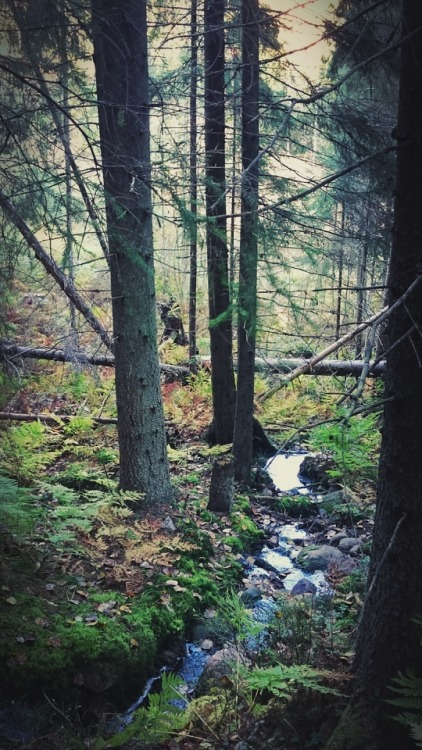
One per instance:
(284, 681)
(157, 721)
(416, 732)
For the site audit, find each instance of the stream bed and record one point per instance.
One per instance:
(275, 563)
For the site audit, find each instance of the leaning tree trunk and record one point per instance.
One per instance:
(389, 639)
(121, 64)
(248, 256)
(220, 313)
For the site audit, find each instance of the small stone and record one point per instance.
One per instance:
(348, 543)
(207, 644)
(168, 525)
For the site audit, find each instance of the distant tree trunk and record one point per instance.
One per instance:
(220, 313)
(340, 271)
(248, 255)
(193, 184)
(389, 640)
(361, 293)
(120, 55)
(68, 254)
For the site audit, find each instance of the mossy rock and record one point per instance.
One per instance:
(296, 506)
(318, 558)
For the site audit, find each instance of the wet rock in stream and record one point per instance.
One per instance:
(318, 558)
(304, 586)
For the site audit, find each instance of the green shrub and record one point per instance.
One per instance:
(354, 446)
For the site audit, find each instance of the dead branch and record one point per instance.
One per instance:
(64, 282)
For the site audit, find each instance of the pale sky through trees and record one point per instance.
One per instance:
(305, 21)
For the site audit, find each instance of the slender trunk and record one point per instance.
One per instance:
(193, 185)
(340, 275)
(68, 255)
(361, 293)
(248, 256)
(220, 312)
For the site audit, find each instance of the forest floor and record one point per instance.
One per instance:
(98, 595)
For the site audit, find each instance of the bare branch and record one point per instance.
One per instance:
(53, 269)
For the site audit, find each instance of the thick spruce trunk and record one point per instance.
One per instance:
(121, 64)
(389, 640)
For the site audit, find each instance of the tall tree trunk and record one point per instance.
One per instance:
(248, 256)
(220, 313)
(193, 185)
(121, 64)
(389, 640)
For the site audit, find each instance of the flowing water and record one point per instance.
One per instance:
(284, 472)
(283, 468)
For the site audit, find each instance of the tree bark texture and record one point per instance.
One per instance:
(121, 64)
(389, 640)
(222, 375)
(222, 485)
(248, 256)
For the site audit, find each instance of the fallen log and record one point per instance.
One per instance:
(11, 351)
(14, 416)
(326, 367)
(339, 367)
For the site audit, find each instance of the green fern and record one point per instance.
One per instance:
(285, 681)
(409, 691)
(18, 511)
(155, 723)
(26, 450)
(71, 511)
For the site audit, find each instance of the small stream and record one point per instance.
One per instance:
(277, 563)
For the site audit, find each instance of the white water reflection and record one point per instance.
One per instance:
(289, 532)
(317, 578)
(284, 469)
